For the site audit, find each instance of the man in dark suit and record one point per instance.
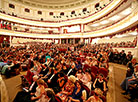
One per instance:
(122, 56)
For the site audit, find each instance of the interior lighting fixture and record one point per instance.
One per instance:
(95, 25)
(133, 33)
(41, 28)
(104, 22)
(107, 37)
(33, 27)
(115, 18)
(120, 36)
(127, 11)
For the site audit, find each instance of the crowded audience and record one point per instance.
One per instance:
(64, 72)
(70, 66)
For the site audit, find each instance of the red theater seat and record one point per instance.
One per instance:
(103, 71)
(94, 69)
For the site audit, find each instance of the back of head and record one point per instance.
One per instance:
(41, 82)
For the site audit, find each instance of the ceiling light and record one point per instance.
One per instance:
(133, 33)
(41, 28)
(126, 12)
(94, 25)
(104, 22)
(114, 18)
(73, 28)
(107, 37)
(120, 36)
(33, 27)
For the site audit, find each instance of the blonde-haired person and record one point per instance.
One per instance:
(95, 97)
(67, 89)
(39, 95)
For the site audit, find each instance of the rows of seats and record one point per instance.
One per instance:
(67, 65)
(51, 63)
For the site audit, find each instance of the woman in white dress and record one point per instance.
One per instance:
(39, 95)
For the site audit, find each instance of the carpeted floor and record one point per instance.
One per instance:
(119, 75)
(116, 76)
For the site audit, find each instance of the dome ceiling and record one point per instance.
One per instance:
(55, 4)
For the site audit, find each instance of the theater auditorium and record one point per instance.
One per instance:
(68, 50)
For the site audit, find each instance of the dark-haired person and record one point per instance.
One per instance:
(131, 64)
(122, 58)
(94, 98)
(78, 93)
(103, 64)
(67, 89)
(100, 83)
(60, 82)
(129, 57)
(130, 80)
(50, 96)
(64, 69)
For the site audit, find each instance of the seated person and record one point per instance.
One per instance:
(94, 62)
(37, 67)
(67, 89)
(78, 93)
(103, 64)
(72, 70)
(61, 81)
(131, 64)
(133, 90)
(39, 95)
(130, 80)
(95, 97)
(64, 69)
(129, 57)
(100, 83)
(79, 74)
(49, 95)
(48, 75)
(86, 78)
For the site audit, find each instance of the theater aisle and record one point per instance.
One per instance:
(116, 76)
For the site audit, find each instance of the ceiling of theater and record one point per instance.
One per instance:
(55, 4)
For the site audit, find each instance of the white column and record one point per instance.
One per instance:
(81, 40)
(53, 40)
(82, 28)
(66, 41)
(60, 30)
(60, 41)
(89, 41)
(74, 41)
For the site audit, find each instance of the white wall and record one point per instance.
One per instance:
(24, 40)
(116, 40)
